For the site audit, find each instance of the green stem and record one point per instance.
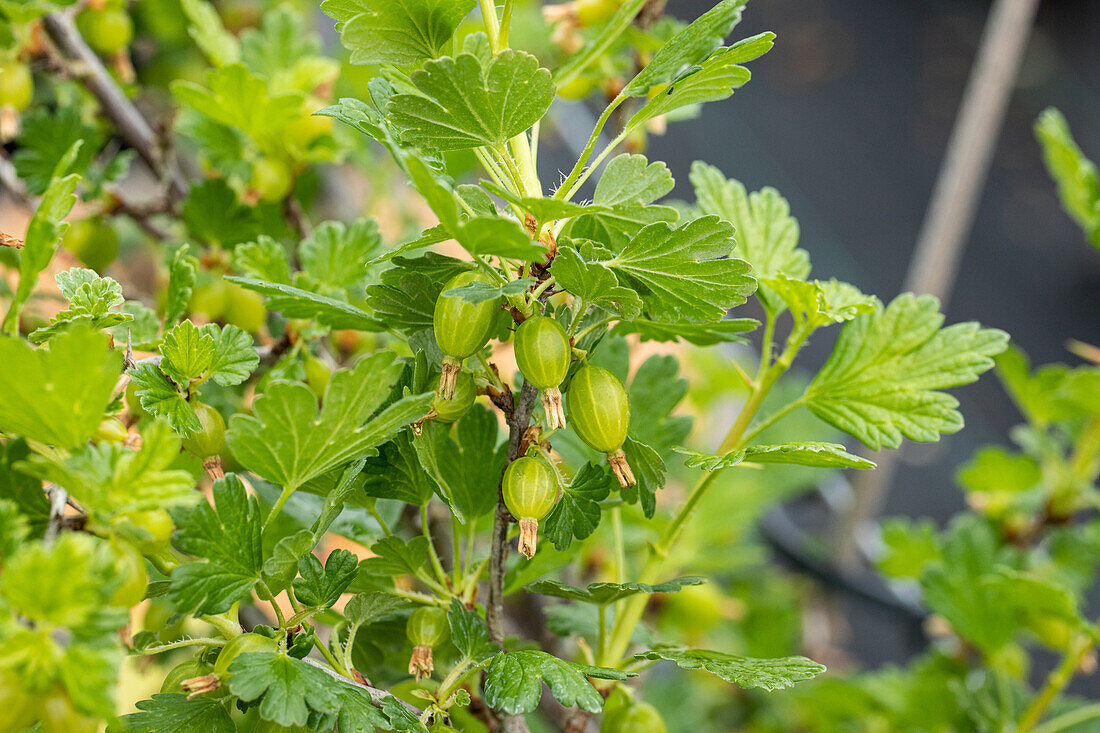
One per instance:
(519, 180)
(352, 631)
(456, 557)
(601, 636)
(773, 418)
(542, 288)
(378, 518)
(766, 344)
(278, 506)
(566, 190)
(331, 659)
(1066, 720)
(226, 626)
(634, 607)
(1056, 682)
(198, 641)
(274, 606)
(505, 25)
(492, 25)
(620, 552)
(426, 530)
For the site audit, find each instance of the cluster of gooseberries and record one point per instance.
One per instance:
(596, 401)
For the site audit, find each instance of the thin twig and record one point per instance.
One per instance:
(130, 123)
(376, 695)
(518, 423)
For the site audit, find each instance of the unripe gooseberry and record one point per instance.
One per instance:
(635, 717)
(599, 410)
(461, 327)
(209, 440)
(530, 489)
(110, 430)
(16, 85)
(543, 353)
(107, 31)
(427, 627)
(271, 179)
(465, 392)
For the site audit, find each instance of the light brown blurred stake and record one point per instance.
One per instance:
(950, 214)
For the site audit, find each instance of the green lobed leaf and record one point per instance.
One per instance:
(286, 688)
(265, 259)
(209, 34)
(480, 291)
(227, 539)
(625, 194)
(289, 442)
(333, 256)
(58, 395)
(188, 352)
(91, 300)
(45, 138)
(577, 513)
(367, 608)
(467, 469)
(294, 302)
(214, 215)
(470, 633)
(45, 230)
(322, 587)
(726, 331)
(814, 304)
(688, 48)
(181, 281)
(602, 594)
(391, 32)
(58, 585)
(1076, 175)
(594, 283)
(880, 382)
(513, 682)
(954, 589)
(463, 105)
(908, 548)
(176, 712)
(649, 470)
(655, 391)
(714, 80)
(394, 556)
(766, 233)
(746, 672)
(162, 398)
(235, 97)
(110, 480)
(685, 273)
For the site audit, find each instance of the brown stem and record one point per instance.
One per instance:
(518, 422)
(130, 123)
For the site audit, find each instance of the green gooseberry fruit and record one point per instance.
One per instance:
(599, 410)
(448, 411)
(543, 353)
(426, 628)
(530, 490)
(461, 327)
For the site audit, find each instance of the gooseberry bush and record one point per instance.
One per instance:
(301, 461)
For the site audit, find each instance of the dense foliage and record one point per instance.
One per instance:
(288, 444)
